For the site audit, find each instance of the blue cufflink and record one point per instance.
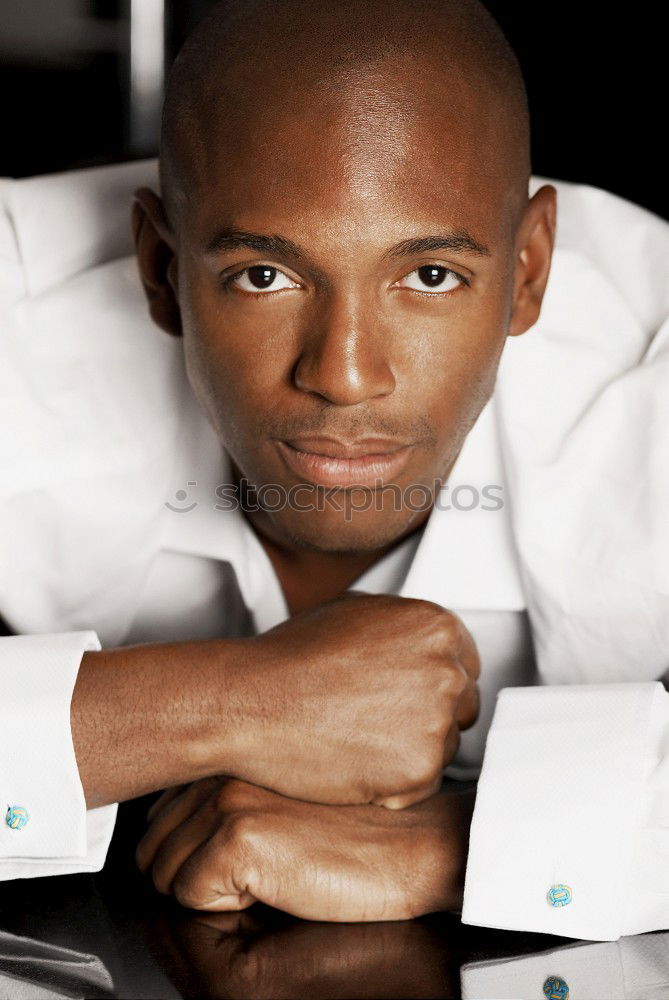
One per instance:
(559, 895)
(555, 988)
(16, 817)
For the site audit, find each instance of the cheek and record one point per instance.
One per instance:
(236, 371)
(455, 359)
(218, 377)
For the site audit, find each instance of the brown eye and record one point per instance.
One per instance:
(262, 278)
(432, 278)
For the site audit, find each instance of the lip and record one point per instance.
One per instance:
(326, 462)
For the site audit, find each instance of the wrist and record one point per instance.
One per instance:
(230, 717)
(171, 706)
(449, 838)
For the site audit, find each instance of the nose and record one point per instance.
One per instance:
(344, 359)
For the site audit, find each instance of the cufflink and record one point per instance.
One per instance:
(555, 988)
(16, 817)
(559, 895)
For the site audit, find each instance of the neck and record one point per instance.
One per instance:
(309, 577)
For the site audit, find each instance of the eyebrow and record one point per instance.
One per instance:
(233, 239)
(461, 242)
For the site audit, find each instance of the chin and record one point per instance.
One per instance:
(361, 531)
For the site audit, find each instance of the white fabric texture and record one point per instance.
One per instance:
(630, 969)
(565, 588)
(37, 970)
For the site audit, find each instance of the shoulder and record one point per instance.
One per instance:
(602, 316)
(626, 245)
(59, 225)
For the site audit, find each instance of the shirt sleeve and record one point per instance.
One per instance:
(570, 832)
(45, 828)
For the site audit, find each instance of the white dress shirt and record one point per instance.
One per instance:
(565, 587)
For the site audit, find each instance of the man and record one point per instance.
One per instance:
(343, 245)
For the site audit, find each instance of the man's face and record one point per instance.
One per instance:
(341, 330)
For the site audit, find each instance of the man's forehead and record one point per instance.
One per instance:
(400, 125)
(380, 154)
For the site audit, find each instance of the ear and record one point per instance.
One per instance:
(534, 249)
(156, 256)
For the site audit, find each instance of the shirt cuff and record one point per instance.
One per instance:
(559, 802)
(39, 777)
(648, 901)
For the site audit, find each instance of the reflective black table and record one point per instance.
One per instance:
(110, 934)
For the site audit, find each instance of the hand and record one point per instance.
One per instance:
(360, 700)
(222, 844)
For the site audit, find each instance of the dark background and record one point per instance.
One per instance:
(598, 104)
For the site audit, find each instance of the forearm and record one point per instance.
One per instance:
(150, 716)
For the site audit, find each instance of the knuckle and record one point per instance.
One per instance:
(422, 770)
(240, 829)
(443, 628)
(450, 631)
(460, 681)
(412, 615)
(453, 682)
(426, 612)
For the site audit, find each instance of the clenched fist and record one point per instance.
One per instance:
(221, 844)
(358, 701)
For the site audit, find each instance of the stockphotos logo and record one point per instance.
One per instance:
(306, 497)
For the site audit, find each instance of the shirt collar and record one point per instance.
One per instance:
(467, 557)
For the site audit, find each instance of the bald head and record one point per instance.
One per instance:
(381, 65)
